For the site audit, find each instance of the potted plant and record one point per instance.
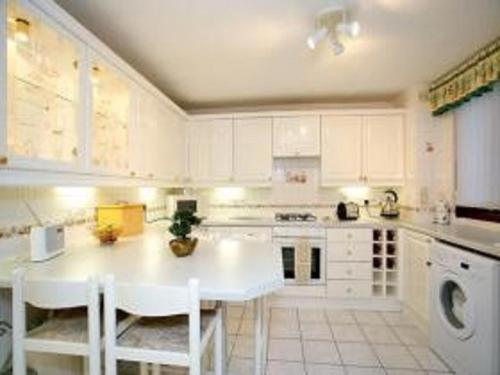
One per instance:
(182, 221)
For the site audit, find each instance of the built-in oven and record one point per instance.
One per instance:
(303, 251)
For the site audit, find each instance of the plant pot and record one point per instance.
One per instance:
(183, 247)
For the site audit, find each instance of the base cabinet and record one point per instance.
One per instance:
(362, 263)
(416, 289)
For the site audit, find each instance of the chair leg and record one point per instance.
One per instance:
(19, 362)
(219, 346)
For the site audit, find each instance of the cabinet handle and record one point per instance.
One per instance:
(4, 160)
(132, 173)
(74, 151)
(151, 175)
(349, 252)
(349, 236)
(428, 263)
(349, 272)
(366, 179)
(349, 290)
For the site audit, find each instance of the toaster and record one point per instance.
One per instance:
(347, 211)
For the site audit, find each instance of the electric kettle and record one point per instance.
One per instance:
(390, 208)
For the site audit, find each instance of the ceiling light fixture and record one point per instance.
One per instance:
(314, 39)
(351, 29)
(333, 22)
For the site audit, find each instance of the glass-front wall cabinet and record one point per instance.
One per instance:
(111, 113)
(42, 91)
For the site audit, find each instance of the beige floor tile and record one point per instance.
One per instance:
(347, 333)
(235, 312)
(247, 327)
(284, 330)
(357, 354)
(340, 317)
(233, 326)
(323, 369)
(364, 371)
(321, 352)
(312, 316)
(316, 331)
(411, 336)
(380, 335)
(289, 316)
(285, 368)
(405, 372)
(397, 318)
(241, 366)
(243, 347)
(427, 359)
(369, 317)
(395, 356)
(285, 350)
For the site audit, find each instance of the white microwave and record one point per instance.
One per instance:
(182, 203)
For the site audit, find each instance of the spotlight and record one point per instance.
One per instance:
(318, 36)
(351, 29)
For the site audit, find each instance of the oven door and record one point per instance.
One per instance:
(288, 248)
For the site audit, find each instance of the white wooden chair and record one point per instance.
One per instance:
(171, 331)
(71, 332)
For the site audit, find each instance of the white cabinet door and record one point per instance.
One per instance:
(341, 143)
(175, 146)
(253, 150)
(383, 151)
(211, 150)
(296, 136)
(41, 75)
(417, 274)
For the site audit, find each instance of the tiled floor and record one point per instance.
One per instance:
(333, 342)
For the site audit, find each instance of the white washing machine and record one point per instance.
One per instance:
(464, 310)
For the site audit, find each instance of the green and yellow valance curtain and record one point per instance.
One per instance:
(473, 77)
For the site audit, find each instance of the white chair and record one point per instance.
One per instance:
(71, 332)
(171, 331)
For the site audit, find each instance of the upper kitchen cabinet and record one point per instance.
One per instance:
(110, 118)
(362, 149)
(297, 136)
(383, 156)
(43, 70)
(173, 146)
(211, 150)
(341, 145)
(253, 150)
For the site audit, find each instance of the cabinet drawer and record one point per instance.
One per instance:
(349, 271)
(349, 251)
(349, 289)
(350, 234)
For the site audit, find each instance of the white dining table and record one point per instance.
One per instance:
(228, 270)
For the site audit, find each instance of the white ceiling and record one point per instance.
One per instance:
(221, 53)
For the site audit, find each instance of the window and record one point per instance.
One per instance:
(478, 157)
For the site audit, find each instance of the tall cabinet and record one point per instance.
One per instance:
(43, 92)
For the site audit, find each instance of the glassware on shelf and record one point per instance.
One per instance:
(377, 235)
(390, 249)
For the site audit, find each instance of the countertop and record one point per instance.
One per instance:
(228, 270)
(475, 237)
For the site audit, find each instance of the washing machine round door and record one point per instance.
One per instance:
(456, 308)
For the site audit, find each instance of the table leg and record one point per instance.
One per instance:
(259, 337)
(220, 362)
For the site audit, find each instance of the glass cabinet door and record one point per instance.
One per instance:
(42, 91)
(111, 103)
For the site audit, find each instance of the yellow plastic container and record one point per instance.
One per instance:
(129, 217)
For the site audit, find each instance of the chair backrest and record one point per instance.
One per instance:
(55, 294)
(152, 300)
